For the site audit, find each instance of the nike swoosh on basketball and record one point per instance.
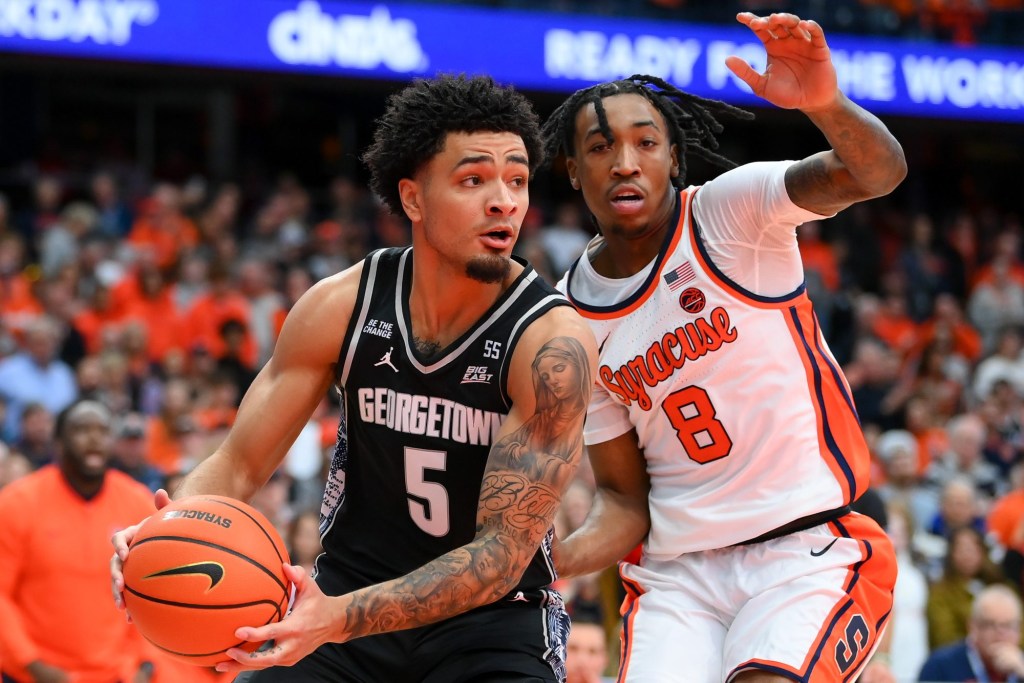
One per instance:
(212, 570)
(823, 550)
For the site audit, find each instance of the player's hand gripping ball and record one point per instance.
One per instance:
(199, 569)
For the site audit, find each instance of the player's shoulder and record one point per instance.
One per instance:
(751, 179)
(328, 299)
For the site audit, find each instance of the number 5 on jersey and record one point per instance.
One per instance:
(428, 500)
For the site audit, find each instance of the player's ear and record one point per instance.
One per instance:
(674, 168)
(409, 191)
(573, 169)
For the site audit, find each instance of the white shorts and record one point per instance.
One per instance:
(810, 606)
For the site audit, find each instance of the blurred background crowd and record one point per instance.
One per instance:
(147, 271)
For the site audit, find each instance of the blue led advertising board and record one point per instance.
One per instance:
(533, 50)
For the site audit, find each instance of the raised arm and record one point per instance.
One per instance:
(530, 464)
(865, 161)
(619, 518)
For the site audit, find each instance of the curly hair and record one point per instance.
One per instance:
(418, 119)
(692, 121)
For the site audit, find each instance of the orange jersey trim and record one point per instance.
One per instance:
(628, 611)
(840, 439)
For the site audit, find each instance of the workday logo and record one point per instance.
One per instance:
(106, 22)
(307, 35)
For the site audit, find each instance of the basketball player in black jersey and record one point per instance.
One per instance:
(465, 379)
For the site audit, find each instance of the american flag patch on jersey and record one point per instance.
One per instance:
(680, 276)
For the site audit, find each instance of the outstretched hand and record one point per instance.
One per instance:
(311, 623)
(799, 73)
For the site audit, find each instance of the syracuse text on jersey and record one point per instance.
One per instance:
(691, 341)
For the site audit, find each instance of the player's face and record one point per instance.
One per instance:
(559, 376)
(471, 199)
(87, 442)
(627, 184)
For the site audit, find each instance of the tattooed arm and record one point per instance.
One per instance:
(532, 461)
(865, 161)
(530, 465)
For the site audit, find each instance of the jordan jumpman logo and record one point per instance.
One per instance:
(386, 360)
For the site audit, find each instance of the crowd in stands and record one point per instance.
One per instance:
(964, 22)
(164, 303)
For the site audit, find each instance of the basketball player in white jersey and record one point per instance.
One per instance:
(722, 432)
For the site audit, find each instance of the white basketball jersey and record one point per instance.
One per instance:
(745, 418)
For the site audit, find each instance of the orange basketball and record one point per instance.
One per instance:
(198, 570)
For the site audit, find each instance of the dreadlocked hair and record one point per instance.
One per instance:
(418, 119)
(692, 120)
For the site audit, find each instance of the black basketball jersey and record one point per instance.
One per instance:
(415, 434)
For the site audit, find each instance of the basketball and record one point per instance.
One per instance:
(199, 569)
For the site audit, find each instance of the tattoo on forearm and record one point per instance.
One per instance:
(870, 154)
(519, 496)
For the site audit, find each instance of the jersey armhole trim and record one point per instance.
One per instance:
(726, 283)
(367, 280)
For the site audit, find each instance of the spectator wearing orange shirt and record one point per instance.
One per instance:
(165, 431)
(948, 326)
(18, 304)
(147, 299)
(219, 404)
(209, 312)
(940, 375)
(59, 625)
(893, 324)
(100, 320)
(1006, 248)
(162, 228)
(926, 424)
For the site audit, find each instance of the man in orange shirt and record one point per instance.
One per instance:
(162, 228)
(56, 620)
